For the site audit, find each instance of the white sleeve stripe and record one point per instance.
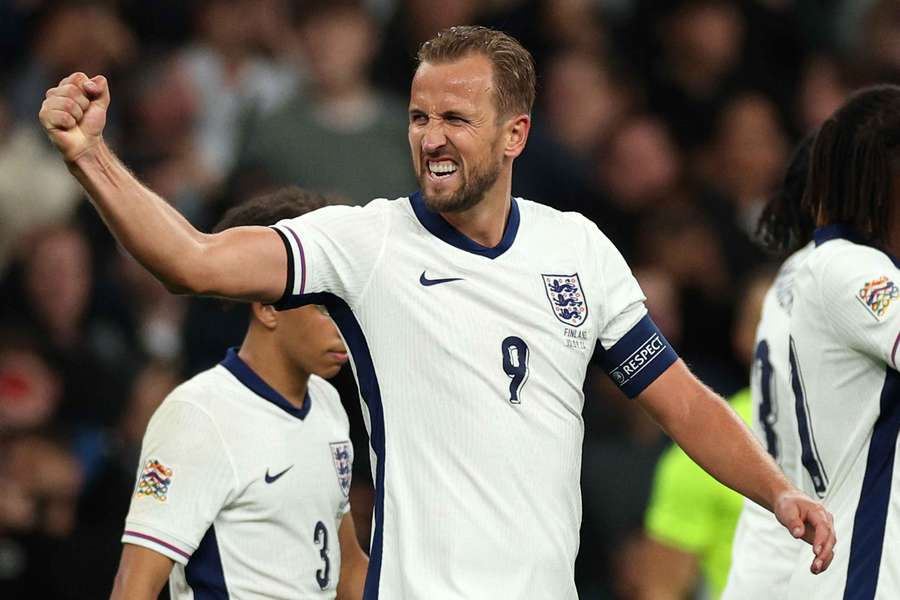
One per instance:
(150, 538)
(298, 258)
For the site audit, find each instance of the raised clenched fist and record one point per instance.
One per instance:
(74, 113)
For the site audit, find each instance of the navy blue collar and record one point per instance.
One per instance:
(254, 382)
(443, 230)
(837, 231)
(846, 232)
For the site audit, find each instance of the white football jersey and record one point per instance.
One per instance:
(844, 340)
(764, 552)
(244, 491)
(470, 362)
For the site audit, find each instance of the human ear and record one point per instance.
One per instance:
(517, 129)
(265, 314)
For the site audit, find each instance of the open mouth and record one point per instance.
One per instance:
(441, 169)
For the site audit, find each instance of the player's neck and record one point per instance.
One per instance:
(267, 361)
(485, 222)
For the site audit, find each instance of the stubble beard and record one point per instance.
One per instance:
(468, 195)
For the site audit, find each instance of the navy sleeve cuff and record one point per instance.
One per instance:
(286, 301)
(636, 360)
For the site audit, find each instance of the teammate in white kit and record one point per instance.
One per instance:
(845, 333)
(470, 317)
(763, 553)
(245, 469)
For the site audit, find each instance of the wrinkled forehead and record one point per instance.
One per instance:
(468, 81)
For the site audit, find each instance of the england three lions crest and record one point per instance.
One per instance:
(342, 455)
(566, 298)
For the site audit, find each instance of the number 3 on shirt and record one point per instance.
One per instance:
(320, 536)
(515, 365)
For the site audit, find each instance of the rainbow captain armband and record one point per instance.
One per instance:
(638, 358)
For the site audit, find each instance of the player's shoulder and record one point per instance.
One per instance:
(838, 255)
(208, 391)
(574, 226)
(841, 275)
(202, 403)
(837, 262)
(547, 215)
(370, 213)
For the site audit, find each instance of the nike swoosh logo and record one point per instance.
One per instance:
(274, 478)
(427, 282)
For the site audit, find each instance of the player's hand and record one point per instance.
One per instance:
(808, 520)
(74, 113)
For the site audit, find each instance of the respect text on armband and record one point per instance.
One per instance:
(638, 359)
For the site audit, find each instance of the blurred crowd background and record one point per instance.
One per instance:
(667, 122)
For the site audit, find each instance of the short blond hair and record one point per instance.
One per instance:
(513, 67)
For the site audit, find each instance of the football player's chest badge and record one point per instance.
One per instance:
(342, 456)
(566, 297)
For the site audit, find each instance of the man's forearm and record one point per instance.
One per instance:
(718, 440)
(714, 436)
(146, 225)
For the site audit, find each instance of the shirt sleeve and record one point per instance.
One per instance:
(184, 479)
(860, 297)
(632, 350)
(333, 250)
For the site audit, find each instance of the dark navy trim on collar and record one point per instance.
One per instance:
(846, 232)
(440, 228)
(255, 383)
(837, 231)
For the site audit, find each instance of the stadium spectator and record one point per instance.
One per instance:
(578, 82)
(411, 23)
(825, 85)
(169, 155)
(746, 157)
(38, 504)
(34, 191)
(634, 193)
(57, 285)
(699, 63)
(879, 42)
(231, 77)
(341, 135)
(70, 35)
(30, 389)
